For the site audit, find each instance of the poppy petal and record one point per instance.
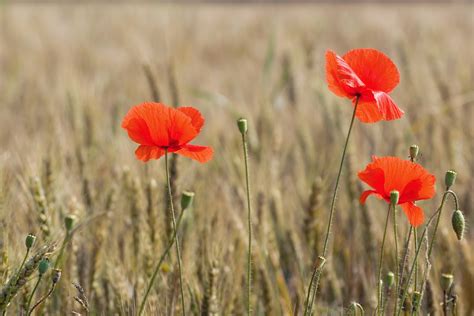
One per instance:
(366, 194)
(145, 153)
(374, 68)
(199, 153)
(196, 118)
(387, 107)
(368, 111)
(148, 123)
(341, 79)
(414, 213)
(373, 176)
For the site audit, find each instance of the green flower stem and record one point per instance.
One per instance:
(51, 290)
(58, 260)
(173, 216)
(402, 270)
(249, 223)
(316, 275)
(395, 234)
(158, 266)
(33, 293)
(379, 274)
(437, 213)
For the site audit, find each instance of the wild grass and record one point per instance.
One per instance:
(68, 74)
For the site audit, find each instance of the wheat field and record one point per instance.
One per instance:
(68, 74)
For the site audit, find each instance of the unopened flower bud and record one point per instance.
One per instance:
(459, 223)
(43, 266)
(242, 124)
(56, 275)
(187, 199)
(394, 195)
(450, 178)
(414, 150)
(446, 281)
(30, 241)
(389, 279)
(69, 222)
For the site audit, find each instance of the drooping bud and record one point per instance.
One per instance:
(242, 124)
(30, 241)
(43, 266)
(394, 196)
(355, 309)
(187, 199)
(69, 222)
(450, 178)
(459, 223)
(56, 275)
(446, 281)
(389, 280)
(414, 150)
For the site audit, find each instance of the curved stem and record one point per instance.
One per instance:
(33, 293)
(43, 298)
(331, 215)
(379, 278)
(437, 213)
(173, 217)
(249, 223)
(158, 266)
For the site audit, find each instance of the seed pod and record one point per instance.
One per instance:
(56, 275)
(242, 124)
(389, 279)
(69, 222)
(187, 199)
(43, 266)
(394, 196)
(414, 150)
(450, 178)
(30, 241)
(446, 281)
(459, 223)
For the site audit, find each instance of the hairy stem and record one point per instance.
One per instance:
(379, 274)
(313, 286)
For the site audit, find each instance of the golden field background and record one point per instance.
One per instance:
(68, 74)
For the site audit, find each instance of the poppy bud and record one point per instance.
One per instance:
(56, 275)
(459, 223)
(242, 124)
(69, 222)
(389, 279)
(450, 178)
(414, 150)
(43, 266)
(356, 309)
(187, 199)
(30, 241)
(416, 300)
(394, 195)
(446, 281)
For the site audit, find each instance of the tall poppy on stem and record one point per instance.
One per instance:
(366, 77)
(160, 130)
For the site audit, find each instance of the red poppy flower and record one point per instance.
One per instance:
(368, 74)
(157, 127)
(411, 180)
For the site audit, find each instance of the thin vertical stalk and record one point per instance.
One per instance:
(415, 237)
(402, 268)
(33, 293)
(249, 222)
(379, 277)
(158, 266)
(395, 234)
(317, 271)
(173, 217)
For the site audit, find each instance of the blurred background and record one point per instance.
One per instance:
(69, 73)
